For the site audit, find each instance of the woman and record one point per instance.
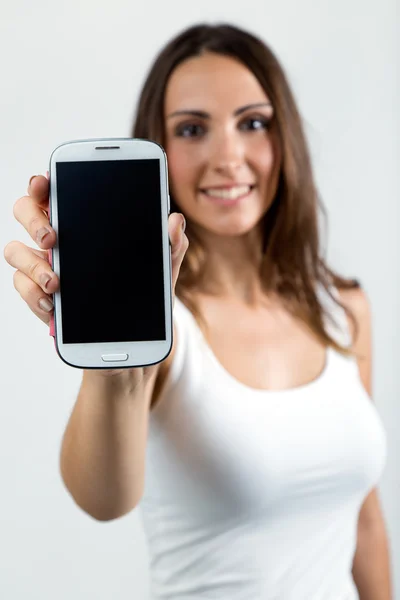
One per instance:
(253, 450)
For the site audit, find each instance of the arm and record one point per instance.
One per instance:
(103, 449)
(103, 452)
(371, 565)
(102, 458)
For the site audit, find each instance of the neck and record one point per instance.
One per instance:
(233, 265)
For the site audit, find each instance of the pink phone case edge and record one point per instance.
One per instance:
(52, 328)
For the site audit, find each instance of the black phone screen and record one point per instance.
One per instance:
(110, 248)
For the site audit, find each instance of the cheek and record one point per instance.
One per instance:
(184, 168)
(266, 162)
(265, 157)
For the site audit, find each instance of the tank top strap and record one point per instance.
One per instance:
(185, 337)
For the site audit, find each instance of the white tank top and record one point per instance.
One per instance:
(253, 494)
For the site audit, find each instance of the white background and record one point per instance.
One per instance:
(72, 70)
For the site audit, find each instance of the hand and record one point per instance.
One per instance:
(34, 279)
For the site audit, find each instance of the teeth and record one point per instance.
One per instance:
(230, 194)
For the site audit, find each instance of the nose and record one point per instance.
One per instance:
(227, 154)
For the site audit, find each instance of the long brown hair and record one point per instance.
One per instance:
(292, 260)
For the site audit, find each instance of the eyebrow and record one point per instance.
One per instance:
(204, 115)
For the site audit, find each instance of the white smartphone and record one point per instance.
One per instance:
(109, 206)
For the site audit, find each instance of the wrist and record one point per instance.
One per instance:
(116, 383)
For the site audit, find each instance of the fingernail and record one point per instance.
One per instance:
(44, 279)
(30, 181)
(41, 234)
(183, 224)
(46, 304)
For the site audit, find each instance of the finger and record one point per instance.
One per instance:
(38, 189)
(176, 227)
(40, 304)
(29, 213)
(33, 264)
(179, 243)
(40, 253)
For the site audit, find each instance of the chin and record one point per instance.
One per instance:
(234, 227)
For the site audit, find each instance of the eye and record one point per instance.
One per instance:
(254, 123)
(189, 130)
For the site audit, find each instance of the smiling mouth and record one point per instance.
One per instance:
(232, 193)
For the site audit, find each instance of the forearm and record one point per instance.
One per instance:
(371, 565)
(103, 450)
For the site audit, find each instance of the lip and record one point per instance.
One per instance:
(226, 186)
(226, 201)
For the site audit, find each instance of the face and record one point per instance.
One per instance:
(223, 155)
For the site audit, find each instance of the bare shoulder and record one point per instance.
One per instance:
(357, 301)
(162, 374)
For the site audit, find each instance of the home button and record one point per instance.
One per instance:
(114, 357)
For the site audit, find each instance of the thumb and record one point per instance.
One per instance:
(179, 243)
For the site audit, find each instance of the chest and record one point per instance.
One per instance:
(264, 349)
